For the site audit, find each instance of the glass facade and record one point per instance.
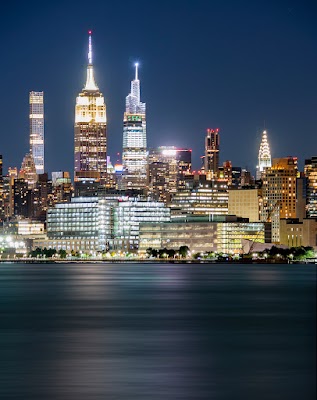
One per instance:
(201, 201)
(134, 154)
(112, 223)
(221, 237)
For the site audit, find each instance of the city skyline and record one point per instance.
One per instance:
(235, 96)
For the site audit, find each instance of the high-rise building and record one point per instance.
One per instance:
(168, 166)
(1, 191)
(22, 198)
(279, 192)
(211, 160)
(90, 129)
(134, 152)
(209, 199)
(264, 156)
(245, 203)
(310, 171)
(28, 170)
(36, 100)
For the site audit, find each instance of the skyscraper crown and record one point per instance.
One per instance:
(264, 153)
(90, 82)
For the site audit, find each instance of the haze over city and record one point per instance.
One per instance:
(239, 67)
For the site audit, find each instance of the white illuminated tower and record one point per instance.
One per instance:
(36, 101)
(90, 129)
(264, 156)
(134, 154)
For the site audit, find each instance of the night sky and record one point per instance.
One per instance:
(234, 65)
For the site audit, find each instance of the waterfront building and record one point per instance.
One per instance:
(211, 160)
(310, 171)
(104, 223)
(295, 233)
(246, 203)
(223, 235)
(90, 129)
(134, 153)
(279, 192)
(36, 115)
(264, 157)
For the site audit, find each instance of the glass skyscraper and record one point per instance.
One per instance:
(36, 101)
(90, 130)
(134, 152)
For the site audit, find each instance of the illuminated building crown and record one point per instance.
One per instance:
(90, 82)
(133, 103)
(264, 153)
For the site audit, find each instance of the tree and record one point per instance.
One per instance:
(62, 253)
(183, 251)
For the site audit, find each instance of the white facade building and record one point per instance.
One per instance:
(105, 223)
(264, 156)
(36, 102)
(134, 154)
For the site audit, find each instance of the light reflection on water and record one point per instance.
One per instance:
(157, 331)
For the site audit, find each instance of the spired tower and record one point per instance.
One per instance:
(90, 129)
(264, 156)
(134, 154)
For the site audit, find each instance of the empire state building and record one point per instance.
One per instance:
(90, 129)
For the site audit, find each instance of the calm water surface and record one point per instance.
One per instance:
(128, 331)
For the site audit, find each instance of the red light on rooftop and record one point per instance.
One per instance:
(89, 32)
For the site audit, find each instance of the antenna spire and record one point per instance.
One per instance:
(136, 71)
(89, 48)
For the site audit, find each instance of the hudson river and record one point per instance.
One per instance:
(129, 331)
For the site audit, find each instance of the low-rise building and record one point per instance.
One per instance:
(222, 235)
(295, 233)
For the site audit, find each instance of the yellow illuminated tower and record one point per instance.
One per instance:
(279, 192)
(90, 129)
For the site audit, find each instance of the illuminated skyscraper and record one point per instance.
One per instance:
(264, 156)
(134, 139)
(212, 152)
(28, 171)
(1, 191)
(37, 130)
(310, 171)
(279, 192)
(90, 129)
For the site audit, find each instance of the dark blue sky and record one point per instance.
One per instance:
(227, 64)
